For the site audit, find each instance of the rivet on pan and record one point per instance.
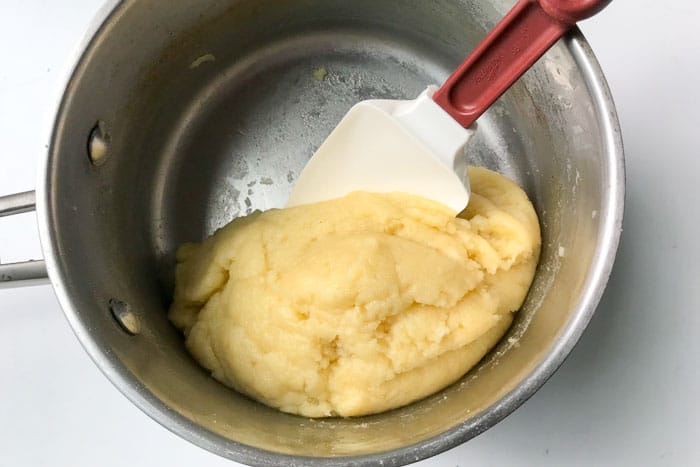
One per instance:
(98, 144)
(123, 315)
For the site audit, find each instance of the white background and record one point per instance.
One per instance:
(628, 395)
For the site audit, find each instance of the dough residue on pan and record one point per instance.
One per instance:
(360, 304)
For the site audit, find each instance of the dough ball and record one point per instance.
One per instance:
(360, 304)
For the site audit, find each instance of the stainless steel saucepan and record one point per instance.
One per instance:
(179, 116)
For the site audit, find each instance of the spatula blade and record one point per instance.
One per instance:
(377, 148)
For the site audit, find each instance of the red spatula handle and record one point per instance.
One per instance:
(522, 37)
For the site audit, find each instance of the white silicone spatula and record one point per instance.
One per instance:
(417, 146)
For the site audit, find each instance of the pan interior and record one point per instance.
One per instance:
(212, 109)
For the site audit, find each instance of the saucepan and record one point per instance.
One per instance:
(179, 116)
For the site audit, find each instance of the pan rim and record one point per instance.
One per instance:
(601, 265)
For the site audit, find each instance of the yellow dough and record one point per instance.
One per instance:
(359, 304)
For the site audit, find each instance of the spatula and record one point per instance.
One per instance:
(418, 146)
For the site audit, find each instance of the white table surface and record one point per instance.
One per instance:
(628, 395)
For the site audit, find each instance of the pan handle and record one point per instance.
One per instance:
(27, 272)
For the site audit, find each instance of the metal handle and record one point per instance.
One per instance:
(27, 272)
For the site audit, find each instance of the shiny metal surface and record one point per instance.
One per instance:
(212, 109)
(27, 272)
(23, 274)
(17, 203)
